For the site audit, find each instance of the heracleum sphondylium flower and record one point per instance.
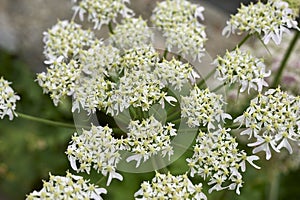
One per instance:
(137, 89)
(273, 119)
(139, 86)
(217, 158)
(8, 99)
(132, 32)
(67, 187)
(168, 186)
(175, 73)
(100, 60)
(65, 39)
(96, 148)
(242, 68)
(269, 20)
(143, 58)
(290, 80)
(60, 80)
(203, 108)
(178, 20)
(102, 12)
(92, 93)
(149, 137)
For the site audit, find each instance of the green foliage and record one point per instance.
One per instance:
(28, 150)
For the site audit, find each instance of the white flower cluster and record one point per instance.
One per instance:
(102, 12)
(202, 108)
(91, 94)
(270, 20)
(132, 32)
(290, 80)
(100, 60)
(141, 85)
(67, 187)
(96, 148)
(168, 186)
(138, 86)
(8, 100)
(149, 137)
(65, 39)
(93, 87)
(217, 157)
(175, 73)
(144, 58)
(135, 88)
(63, 44)
(178, 20)
(60, 80)
(242, 68)
(273, 119)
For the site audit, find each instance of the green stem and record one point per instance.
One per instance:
(110, 28)
(243, 41)
(217, 88)
(46, 121)
(60, 124)
(206, 77)
(165, 54)
(277, 78)
(274, 185)
(100, 180)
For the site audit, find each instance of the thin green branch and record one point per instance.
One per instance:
(206, 77)
(243, 41)
(217, 88)
(288, 53)
(49, 122)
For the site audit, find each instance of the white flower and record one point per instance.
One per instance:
(67, 187)
(132, 32)
(100, 60)
(174, 73)
(97, 149)
(217, 158)
(136, 88)
(102, 12)
(290, 80)
(149, 137)
(272, 119)
(60, 80)
(8, 100)
(170, 13)
(263, 143)
(91, 93)
(203, 108)
(269, 20)
(65, 39)
(178, 20)
(138, 83)
(167, 186)
(242, 68)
